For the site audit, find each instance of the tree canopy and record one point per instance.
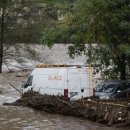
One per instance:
(104, 22)
(22, 21)
(26, 19)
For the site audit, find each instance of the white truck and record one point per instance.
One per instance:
(67, 80)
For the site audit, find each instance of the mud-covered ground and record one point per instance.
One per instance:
(22, 118)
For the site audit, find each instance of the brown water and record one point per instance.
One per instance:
(19, 118)
(22, 118)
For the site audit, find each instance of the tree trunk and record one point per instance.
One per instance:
(122, 66)
(2, 34)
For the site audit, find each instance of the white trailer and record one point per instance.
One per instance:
(67, 80)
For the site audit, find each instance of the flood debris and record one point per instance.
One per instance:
(102, 111)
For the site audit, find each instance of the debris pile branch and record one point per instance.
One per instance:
(104, 111)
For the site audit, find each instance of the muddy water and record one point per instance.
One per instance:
(19, 118)
(22, 118)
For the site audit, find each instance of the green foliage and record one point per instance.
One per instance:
(105, 22)
(26, 19)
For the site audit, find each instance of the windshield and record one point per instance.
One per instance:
(99, 87)
(29, 82)
(109, 88)
(106, 88)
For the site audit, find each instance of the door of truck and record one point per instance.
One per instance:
(73, 82)
(78, 82)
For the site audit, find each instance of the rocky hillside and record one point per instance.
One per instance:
(26, 56)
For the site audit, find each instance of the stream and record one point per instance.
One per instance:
(23, 118)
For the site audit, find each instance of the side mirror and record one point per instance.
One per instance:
(24, 85)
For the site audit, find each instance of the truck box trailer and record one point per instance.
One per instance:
(67, 80)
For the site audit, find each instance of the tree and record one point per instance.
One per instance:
(105, 22)
(22, 21)
(3, 6)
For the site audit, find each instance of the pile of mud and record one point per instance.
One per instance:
(103, 111)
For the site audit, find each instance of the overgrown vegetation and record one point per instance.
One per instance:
(103, 25)
(23, 21)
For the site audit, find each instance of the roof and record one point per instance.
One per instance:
(54, 65)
